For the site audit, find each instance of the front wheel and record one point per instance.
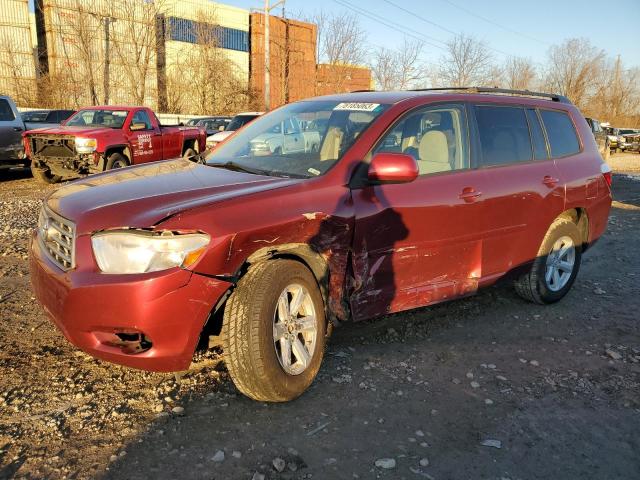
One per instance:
(556, 266)
(44, 175)
(116, 160)
(274, 331)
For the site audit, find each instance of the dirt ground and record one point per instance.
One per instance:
(486, 387)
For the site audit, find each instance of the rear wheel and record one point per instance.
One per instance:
(274, 331)
(556, 265)
(44, 175)
(191, 154)
(116, 160)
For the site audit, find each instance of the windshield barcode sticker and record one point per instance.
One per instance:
(357, 107)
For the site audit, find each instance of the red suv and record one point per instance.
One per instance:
(410, 198)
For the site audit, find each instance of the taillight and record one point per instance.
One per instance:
(606, 173)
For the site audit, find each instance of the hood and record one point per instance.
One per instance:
(220, 136)
(75, 131)
(142, 196)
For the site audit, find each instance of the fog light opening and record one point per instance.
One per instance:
(130, 343)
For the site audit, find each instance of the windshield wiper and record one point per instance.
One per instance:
(236, 167)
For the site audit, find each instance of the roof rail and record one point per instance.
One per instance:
(502, 91)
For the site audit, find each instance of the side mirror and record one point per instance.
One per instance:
(137, 126)
(393, 168)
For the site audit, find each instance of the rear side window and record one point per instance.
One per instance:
(561, 133)
(6, 114)
(537, 135)
(504, 135)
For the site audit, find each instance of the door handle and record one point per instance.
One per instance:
(17, 129)
(469, 195)
(550, 181)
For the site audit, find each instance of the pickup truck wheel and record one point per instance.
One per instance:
(191, 154)
(274, 331)
(116, 160)
(44, 175)
(556, 265)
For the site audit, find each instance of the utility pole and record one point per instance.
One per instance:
(267, 66)
(107, 22)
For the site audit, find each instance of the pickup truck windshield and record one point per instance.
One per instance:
(98, 118)
(300, 140)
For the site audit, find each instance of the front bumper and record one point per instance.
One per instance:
(169, 308)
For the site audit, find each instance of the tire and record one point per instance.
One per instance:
(191, 154)
(116, 160)
(44, 175)
(534, 285)
(252, 356)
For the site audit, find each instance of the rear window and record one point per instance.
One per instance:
(6, 114)
(504, 135)
(561, 133)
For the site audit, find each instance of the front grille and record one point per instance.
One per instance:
(63, 146)
(57, 238)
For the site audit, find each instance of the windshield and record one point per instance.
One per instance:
(98, 118)
(239, 121)
(299, 140)
(34, 116)
(625, 132)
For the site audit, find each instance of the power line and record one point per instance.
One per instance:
(393, 25)
(419, 17)
(511, 30)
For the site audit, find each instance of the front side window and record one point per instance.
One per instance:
(561, 133)
(141, 117)
(275, 144)
(435, 136)
(504, 135)
(6, 114)
(98, 118)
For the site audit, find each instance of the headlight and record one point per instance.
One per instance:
(139, 252)
(86, 145)
(211, 143)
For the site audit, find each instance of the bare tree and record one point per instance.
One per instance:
(467, 62)
(341, 43)
(17, 72)
(573, 69)
(400, 68)
(202, 77)
(519, 73)
(135, 44)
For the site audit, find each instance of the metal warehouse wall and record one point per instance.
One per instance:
(233, 23)
(292, 61)
(17, 65)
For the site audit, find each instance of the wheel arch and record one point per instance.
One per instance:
(580, 217)
(121, 149)
(300, 252)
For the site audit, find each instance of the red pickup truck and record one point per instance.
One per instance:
(96, 139)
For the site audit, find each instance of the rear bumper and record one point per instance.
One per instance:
(170, 308)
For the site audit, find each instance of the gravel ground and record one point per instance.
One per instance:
(485, 387)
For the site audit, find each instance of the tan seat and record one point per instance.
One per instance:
(331, 146)
(433, 153)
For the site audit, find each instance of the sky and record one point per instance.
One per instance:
(525, 29)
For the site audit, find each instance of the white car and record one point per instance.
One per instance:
(285, 137)
(239, 121)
